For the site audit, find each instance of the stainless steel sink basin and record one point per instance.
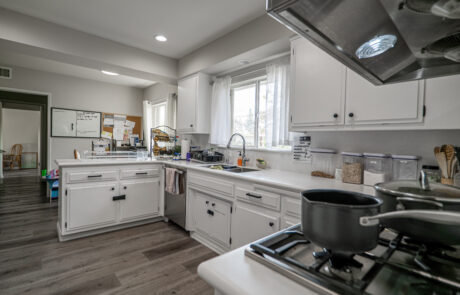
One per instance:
(242, 170)
(232, 168)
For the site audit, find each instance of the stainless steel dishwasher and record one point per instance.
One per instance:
(175, 204)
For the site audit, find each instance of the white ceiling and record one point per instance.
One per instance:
(47, 65)
(188, 24)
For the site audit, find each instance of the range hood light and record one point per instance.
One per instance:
(376, 46)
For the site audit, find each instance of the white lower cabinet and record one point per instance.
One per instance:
(250, 223)
(91, 205)
(141, 199)
(211, 216)
(288, 221)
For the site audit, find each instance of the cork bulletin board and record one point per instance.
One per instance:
(137, 127)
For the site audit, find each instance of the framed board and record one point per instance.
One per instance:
(75, 123)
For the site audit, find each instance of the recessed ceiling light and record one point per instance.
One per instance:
(109, 73)
(376, 46)
(161, 38)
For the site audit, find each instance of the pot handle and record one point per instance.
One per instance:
(440, 217)
(439, 205)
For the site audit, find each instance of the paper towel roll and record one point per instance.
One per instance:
(185, 148)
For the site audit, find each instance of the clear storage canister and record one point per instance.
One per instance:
(377, 168)
(405, 167)
(323, 162)
(352, 167)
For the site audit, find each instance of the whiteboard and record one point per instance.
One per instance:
(88, 124)
(64, 123)
(75, 123)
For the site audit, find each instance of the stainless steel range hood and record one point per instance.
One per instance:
(426, 34)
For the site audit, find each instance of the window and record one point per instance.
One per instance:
(249, 110)
(159, 114)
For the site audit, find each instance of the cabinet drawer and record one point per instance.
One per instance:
(261, 198)
(292, 207)
(210, 183)
(91, 176)
(139, 173)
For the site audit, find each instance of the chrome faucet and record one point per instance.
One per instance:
(423, 180)
(244, 146)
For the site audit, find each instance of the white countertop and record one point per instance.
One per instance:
(235, 273)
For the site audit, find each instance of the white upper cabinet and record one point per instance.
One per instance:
(393, 103)
(317, 87)
(193, 106)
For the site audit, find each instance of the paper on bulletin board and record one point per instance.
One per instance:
(130, 124)
(118, 133)
(108, 120)
(119, 121)
(106, 134)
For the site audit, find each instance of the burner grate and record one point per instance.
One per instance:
(277, 246)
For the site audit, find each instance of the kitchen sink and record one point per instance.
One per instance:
(232, 168)
(241, 170)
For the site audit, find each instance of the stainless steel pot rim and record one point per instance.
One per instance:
(378, 187)
(378, 202)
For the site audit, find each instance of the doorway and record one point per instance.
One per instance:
(23, 135)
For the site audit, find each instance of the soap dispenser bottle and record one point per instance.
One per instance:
(240, 160)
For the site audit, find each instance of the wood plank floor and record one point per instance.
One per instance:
(157, 258)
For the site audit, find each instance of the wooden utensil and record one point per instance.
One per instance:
(450, 156)
(442, 162)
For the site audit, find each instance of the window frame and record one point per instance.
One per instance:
(255, 81)
(156, 105)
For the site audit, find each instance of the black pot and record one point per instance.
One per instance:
(426, 226)
(409, 195)
(330, 219)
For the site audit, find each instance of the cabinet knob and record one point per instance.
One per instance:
(125, 187)
(351, 115)
(191, 125)
(113, 188)
(336, 115)
(207, 202)
(213, 204)
(271, 224)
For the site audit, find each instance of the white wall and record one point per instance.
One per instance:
(159, 91)
(76, 93)
(419, 143)
(20, 126)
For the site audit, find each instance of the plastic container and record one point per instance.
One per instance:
(377, 168)
(405, 167)
(323, 162)
(352, 167)
(432, 172)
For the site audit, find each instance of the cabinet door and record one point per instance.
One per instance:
(142, 199)
(288, 221)
(220, 221)
(186, 106)
(317, 86)
(251, 224)
(91, 206)
(201, 215)
(393, 103)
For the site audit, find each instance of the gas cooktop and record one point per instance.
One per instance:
(398, 265)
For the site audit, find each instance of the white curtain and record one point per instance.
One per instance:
(147, 122)
(277, 122)
(221, 111)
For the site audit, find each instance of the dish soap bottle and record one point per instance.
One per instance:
(240, 160)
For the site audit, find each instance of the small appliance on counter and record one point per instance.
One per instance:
(207, 156)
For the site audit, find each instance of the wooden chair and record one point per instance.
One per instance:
(14, 157)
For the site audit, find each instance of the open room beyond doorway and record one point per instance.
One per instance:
(23, 133)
